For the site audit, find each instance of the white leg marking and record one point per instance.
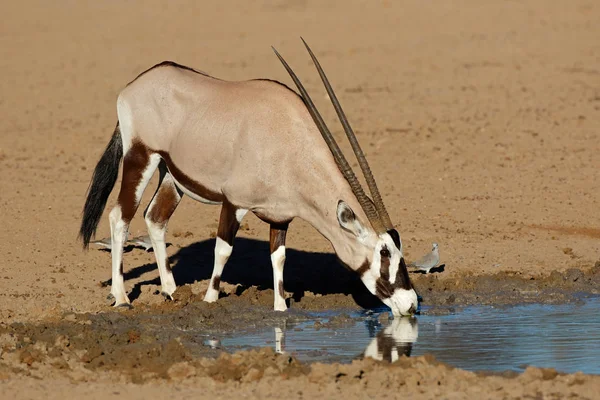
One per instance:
(240, 214)
(118, 233)
(146, 175)
(157, 236)
(279, 341)
(278, 261)
(222, 253)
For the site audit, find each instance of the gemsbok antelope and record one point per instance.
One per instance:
(250, 146)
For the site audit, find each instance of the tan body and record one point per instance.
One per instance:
(250, 146)
(251, 142)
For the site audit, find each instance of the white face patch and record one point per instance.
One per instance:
(369, 280)
(386, 239)
(402, 301)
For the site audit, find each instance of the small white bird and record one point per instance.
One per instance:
(105, 243)
(139, 241)
(428, 261)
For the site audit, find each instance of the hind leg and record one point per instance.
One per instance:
(138, 167)
(229, 223)
(157, 215)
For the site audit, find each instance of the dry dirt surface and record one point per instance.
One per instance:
(480, 119)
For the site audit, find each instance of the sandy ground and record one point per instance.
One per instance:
(479, 118)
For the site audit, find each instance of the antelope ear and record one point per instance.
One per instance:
(348, 220)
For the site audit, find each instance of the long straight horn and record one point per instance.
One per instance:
(362, 160)
(366, 204)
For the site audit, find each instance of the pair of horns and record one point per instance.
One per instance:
(375, 210)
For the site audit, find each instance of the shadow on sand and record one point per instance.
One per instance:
(250, 265)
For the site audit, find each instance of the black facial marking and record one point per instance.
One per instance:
(395, 237)
(385, 264)
(402, 279)
(363, 268)
(385, 289)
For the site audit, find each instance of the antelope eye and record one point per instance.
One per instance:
(385, 253)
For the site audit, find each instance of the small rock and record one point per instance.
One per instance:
(556, 276)
(573, 275)
(28, 357)
(62, 341)
(181, 370)
(596, 268)
(577, 378)
(531, 374)
(70, 318)
(252, 375)
(549, 374)
(271, 371)
(183, 294)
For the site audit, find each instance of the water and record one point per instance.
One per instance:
(564, 337)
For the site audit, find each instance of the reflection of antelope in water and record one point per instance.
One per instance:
(390, 343)
(394, 340)
(252, 145)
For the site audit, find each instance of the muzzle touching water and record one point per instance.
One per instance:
(402, 302)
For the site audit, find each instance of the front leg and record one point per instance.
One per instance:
(277, 246)
(229, 223)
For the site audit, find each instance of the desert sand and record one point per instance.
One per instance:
(480, 120)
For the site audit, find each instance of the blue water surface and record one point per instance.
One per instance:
(565, 337)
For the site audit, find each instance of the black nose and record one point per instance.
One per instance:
(412, 310)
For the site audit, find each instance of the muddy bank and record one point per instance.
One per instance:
(148, 340)
(509, 288)
(265, 374)
(160, 342)
(143, 342)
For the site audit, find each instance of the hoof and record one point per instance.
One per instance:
(125, 305)
(167, 296)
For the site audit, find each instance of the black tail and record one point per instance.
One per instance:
(103, 181)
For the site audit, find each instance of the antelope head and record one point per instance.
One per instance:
(384, 271)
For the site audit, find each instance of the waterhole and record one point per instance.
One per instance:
(564, 337)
